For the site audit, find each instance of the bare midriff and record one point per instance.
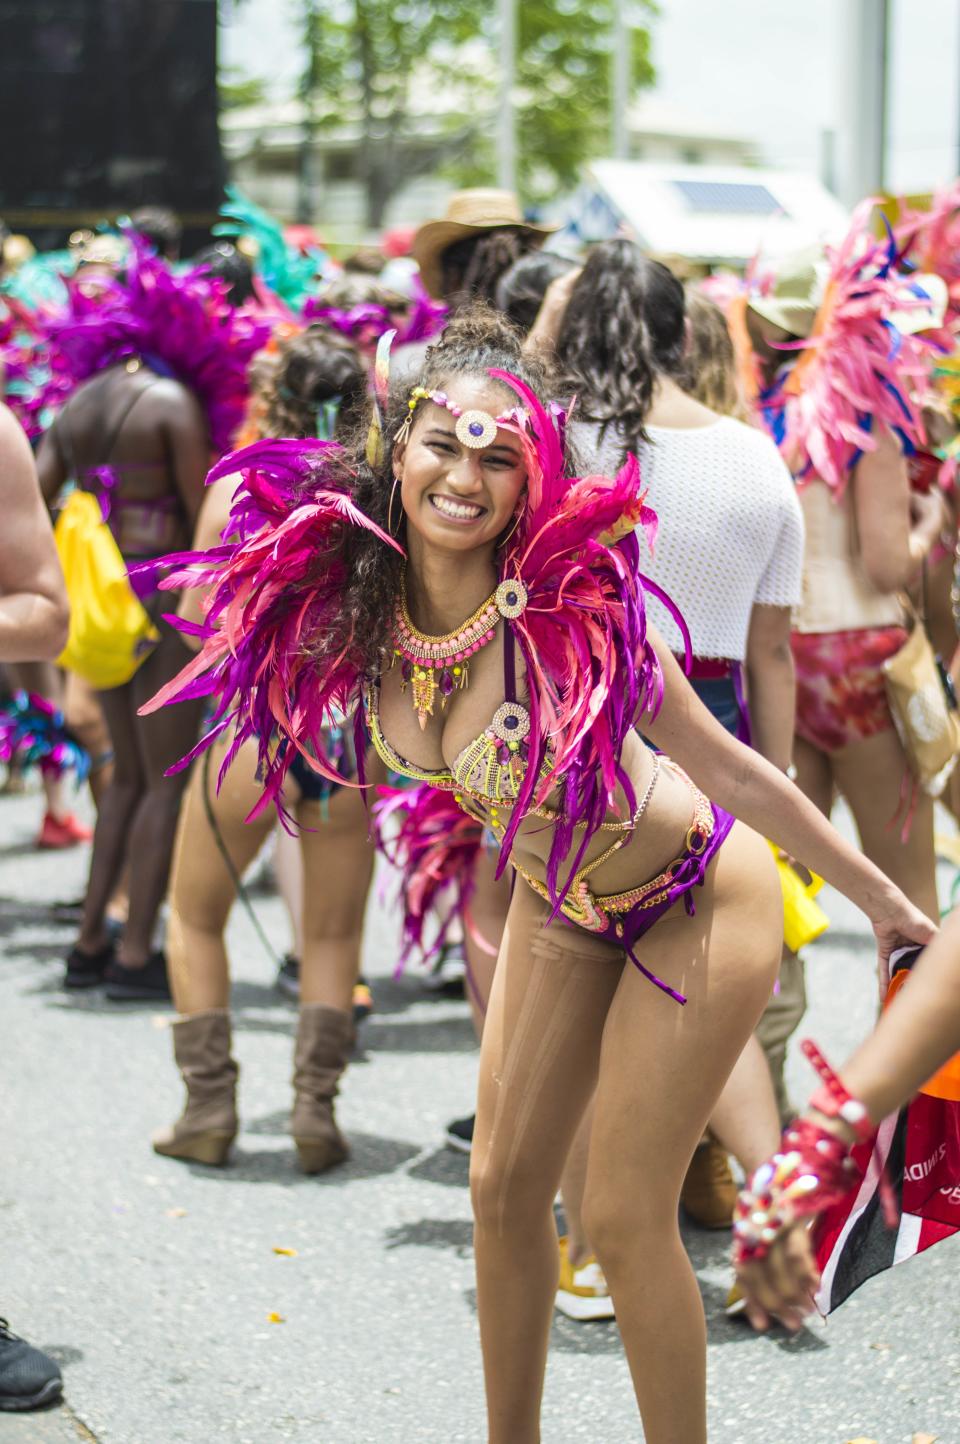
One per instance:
(431, 755)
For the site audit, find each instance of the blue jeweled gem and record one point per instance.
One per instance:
(476, 428)
(511, 599)
(511, 722)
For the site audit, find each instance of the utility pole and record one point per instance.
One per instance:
(862, 133)
(506, 118)
(620, 82)
(306, 151)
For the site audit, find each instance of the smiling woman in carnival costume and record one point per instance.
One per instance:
(460, 552)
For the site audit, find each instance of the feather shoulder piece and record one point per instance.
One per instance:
(180, 325)
(858, 370)
(278, 655)
(929, 240)
(581, 629)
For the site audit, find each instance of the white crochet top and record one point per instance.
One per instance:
(731, 528)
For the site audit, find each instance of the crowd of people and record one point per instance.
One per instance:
(688, 544)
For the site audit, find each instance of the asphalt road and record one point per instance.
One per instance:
(154, 1283)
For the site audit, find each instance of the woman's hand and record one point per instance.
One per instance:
(898, 924)
(781, 1286)
(545, 331)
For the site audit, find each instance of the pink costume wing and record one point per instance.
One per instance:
(434, 845)
(583, 632)
(274, 590)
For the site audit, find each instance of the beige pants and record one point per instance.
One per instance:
(781, 1018)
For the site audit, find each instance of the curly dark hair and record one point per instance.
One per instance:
(623, 326)
(475, 342)
(225, 263)
(470, 269)
(520, 291)
(311, 367)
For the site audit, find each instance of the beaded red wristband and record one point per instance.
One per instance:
(833, 1099)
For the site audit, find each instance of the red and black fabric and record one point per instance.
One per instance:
(919, 1148)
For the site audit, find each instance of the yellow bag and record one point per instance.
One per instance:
(110, 633)
(803, 919)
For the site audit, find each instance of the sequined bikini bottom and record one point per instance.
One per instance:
(623, 918)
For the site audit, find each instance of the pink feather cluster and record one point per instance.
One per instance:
(856, 372)
(21, 369)
(930, 240)
(434, 846)
(181, 325)
(272, 592)
(591, 671)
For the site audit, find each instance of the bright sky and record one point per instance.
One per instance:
(767, 69)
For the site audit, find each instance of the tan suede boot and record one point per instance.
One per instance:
(324, 1040)
(208, 1125)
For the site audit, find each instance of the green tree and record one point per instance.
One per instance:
(236, 89)
(564, 87)
(369, 64)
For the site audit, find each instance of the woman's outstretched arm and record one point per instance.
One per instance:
(915, 1036)
(746, 785)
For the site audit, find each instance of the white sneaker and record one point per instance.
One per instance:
(582, 1293)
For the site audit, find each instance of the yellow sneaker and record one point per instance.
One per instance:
(736, 1304)
(709, 1192)
(582, 1292)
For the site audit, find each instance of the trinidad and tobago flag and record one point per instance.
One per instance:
(919, 1148)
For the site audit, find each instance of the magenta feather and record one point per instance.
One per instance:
(180, 325)
(592, 673)
(273, 591)
(434, 846)
(856, 372)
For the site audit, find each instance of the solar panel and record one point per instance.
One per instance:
(728, 198)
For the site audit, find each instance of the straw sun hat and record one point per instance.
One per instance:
(469, 213)
(794, 298)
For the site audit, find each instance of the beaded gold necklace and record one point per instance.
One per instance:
(438, 664)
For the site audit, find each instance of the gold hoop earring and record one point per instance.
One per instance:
(516, 522)
(393, 492)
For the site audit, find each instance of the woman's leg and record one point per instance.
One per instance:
(746, 1120)
(337, 867)
(538, 1067)
(288, 871)
(662, 1069)
(202, 889)
(162, 739)
(786, 1007)
(118, 805)
(870, 774)
(482, 931)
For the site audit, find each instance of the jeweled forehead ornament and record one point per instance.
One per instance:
(473, 428)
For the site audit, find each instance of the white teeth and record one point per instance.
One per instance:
(463, 511)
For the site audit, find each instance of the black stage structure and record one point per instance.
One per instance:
(106, 105)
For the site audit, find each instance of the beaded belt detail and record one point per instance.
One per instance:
(597, 913)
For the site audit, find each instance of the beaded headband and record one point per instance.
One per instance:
(475, 429)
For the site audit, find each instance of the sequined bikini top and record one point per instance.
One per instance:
(491, 768)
